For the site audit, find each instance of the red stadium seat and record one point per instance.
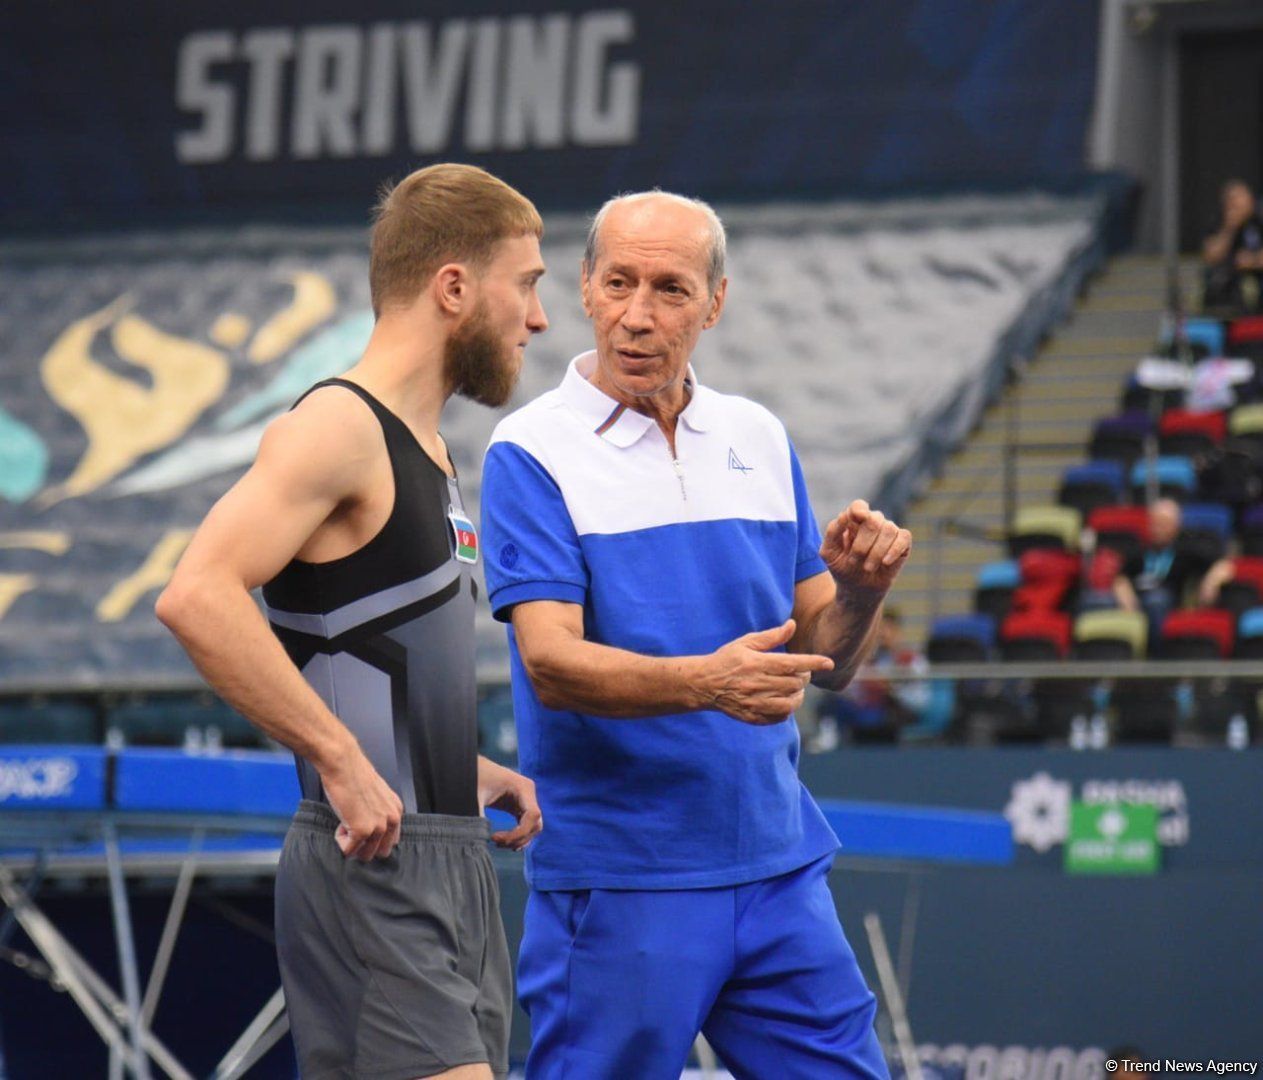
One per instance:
(1047, 576)
(1245, 589)
(1123, 528)
(1203, 634)
(1190, 433)
(1247, 331)
(1035, 635)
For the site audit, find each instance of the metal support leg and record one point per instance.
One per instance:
(170, 931)
(29, 889)
(126, 950)
(894, 999)
(61, 958)
(256, 1040)
(100, 1005)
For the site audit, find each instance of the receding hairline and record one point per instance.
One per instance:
(712, 227)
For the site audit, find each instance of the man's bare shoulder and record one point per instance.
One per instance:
(325, 442)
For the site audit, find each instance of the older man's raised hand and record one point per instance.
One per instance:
(864, 550)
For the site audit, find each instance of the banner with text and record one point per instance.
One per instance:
(156, 108)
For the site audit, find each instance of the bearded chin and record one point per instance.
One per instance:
(477, 365)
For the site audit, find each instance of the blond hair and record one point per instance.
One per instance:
(440, 214)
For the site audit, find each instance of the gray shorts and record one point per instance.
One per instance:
(397, 968)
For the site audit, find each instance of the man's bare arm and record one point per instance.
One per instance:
(310, 461)
(838, 611)
(743, 678)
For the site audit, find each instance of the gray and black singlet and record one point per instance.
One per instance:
(385, 636)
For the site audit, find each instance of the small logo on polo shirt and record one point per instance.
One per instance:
(508, 556)
(736, 464)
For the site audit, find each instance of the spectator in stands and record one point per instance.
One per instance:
(1153, 581)
(874, 707)
(1232, 253)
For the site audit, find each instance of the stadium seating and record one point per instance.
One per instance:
(1251, 531)
(961, 639)
(1110, 635)
(1137, 397)
(1204, 531)
(1123, 528)
(1092, 484)
(1245, 424)
(1035, 636)
(1175, 477)
(1249, 644)
(1201, 634)
(1205, 336)
(199, 721)
(38, 719)
(1191, 434)
(1055, 527)
(1245, 589)
(1048, 576)
(1120, 438)
(994, 587)
(1245, 337)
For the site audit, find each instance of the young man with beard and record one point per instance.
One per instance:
(391, 949)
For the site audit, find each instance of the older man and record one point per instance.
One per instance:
(653, 547)
(1153, 580)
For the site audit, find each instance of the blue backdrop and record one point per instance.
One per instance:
(148, 108)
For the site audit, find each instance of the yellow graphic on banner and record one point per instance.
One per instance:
(11, 587)
(314, 302)
(123, 418)
(45, 540)
(230, 330)
(153, 574)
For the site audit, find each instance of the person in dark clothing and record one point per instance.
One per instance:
(1232, 253)
(1154, 580)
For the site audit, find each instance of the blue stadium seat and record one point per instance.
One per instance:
(1250, 635)
(961, 639)
(999, 575)
(1207, 333)
(1120, 438)
(1092, 484)
(994, 588)
(1204, 531)
(1176, 476)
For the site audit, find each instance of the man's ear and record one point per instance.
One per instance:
(585, 288)
(716, 304)
(452, 288)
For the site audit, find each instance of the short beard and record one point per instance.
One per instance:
(475, 363)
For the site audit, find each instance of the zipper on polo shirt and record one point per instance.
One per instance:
(679, 474)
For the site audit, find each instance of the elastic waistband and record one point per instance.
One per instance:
(319, 817)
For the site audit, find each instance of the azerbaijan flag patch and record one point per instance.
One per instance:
(465, 534)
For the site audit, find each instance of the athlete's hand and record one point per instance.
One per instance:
(503, 789)
(368, 809)
(752, 683)
(863, 550)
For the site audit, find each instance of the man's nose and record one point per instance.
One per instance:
(536, 320)
(638, 314)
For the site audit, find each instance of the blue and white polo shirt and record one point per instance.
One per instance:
(582, 502)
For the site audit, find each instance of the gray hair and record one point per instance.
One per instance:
(718, 238)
